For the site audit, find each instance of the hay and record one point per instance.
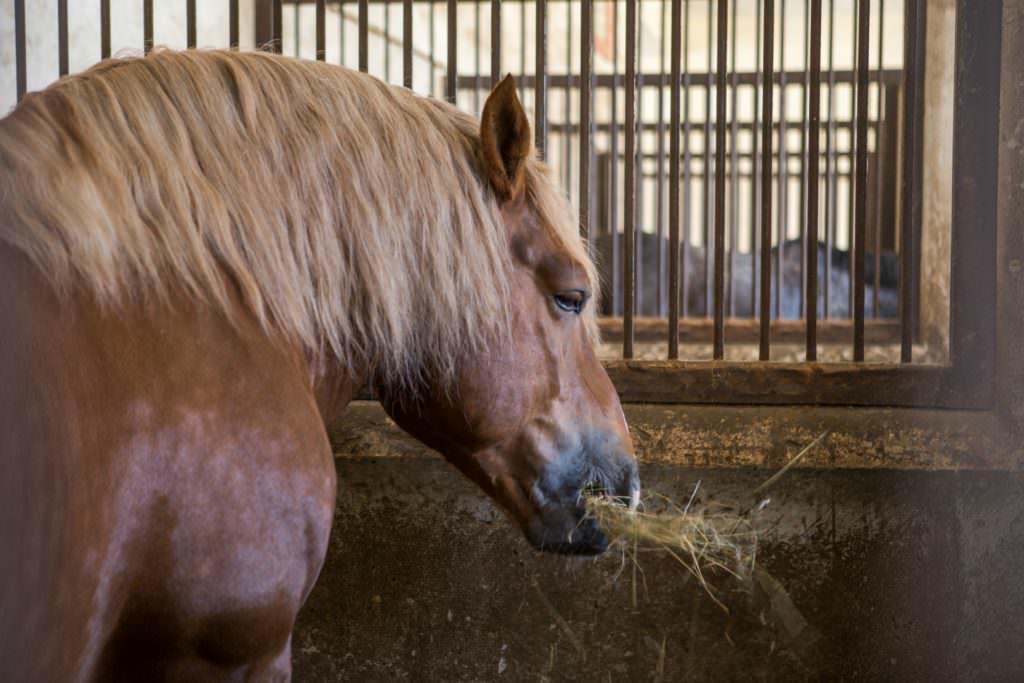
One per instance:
(704, 541)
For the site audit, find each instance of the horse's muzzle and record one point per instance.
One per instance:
(562, 525)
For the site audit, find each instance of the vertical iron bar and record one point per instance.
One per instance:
(813, 173)
(321, 30)
(19, 48)
(851, 158)
(879, 188)
(660, 194)
(540, 83)
(910, 189)
(407, 43)
(860, 227)
(451, 89)
(830, 162)
(62, 37)
(766, 175)
(190, 24)
(720, 97)
(567, 100)
(586, 89)
(613, 196)
(433, 48)
(803, 159)
(147, 25)
(734, 192)
(708, 216)
(755, 160)
(296, 30)
(104, 26)
(783, 181)
(364, 34)
(233, 24)
(495, 42)
(629, 198)
(385, 40)
(673, 186)
(687, 160)
(277, 28)
(476, 55)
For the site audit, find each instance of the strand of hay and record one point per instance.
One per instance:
(702, 541)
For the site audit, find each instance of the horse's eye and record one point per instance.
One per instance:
(571, 300)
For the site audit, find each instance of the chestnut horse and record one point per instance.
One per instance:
(203, 257)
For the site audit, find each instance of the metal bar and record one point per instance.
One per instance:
(495, 42)
(755, 186)
(567, 100)
(277, 27)
(652, 79)
(321, 30)
(660, 194)
(476, 55)
(613, 195)
(62, 37)
(830, 167)
(850, 202)
(190, 24)
(296, 33)
(147, 25)
(768, 57)
(860, 209)
(433, 48)
(802, 159)
(910, 188)
(687, 194)
(407, 43)
(586, 93)
(734, 197)
(385, 38)
(720, 97)
(364, 34)
(783, 182)
(540, 94)
(629, 198)
(673, 185)
(104, 26)
(708, 216)
(21, 63)
(453, 53)
(879, 187)
(233, 24)
(813, 164)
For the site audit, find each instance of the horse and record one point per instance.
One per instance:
(204, 256)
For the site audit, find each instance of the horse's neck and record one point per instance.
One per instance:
(334, 387)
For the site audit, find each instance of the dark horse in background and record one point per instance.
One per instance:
(203, 256)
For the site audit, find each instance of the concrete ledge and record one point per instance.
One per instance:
(765, 437)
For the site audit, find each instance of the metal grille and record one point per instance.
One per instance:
(731, 161)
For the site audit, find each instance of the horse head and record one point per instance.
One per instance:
(533, 420)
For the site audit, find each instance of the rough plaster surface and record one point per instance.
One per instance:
(884, 576)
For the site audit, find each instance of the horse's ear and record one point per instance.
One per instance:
(505, 140)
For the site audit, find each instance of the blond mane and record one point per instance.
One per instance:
(350, 216)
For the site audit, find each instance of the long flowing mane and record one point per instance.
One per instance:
(351, 216)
